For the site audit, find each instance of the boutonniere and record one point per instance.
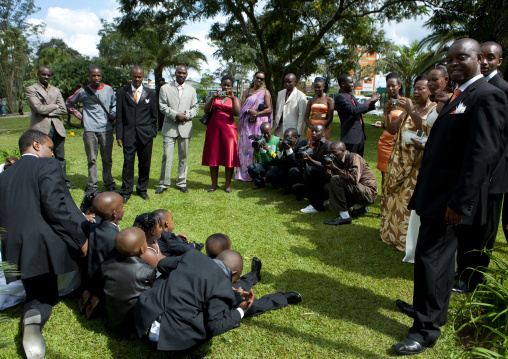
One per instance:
(147, 100)
(460, 108)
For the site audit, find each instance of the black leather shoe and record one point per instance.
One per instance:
(359, 211)
(338, 221)
(409, 347)
(293, 297)
(143, 195)
(69, 186)
(111, 188)
(159, 190)
(256, 267)
(183, 189)
(198, 246)
(126, 197)
(405, 308)
(33, 341)
(461, 287)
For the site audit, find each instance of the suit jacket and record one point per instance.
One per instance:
(289, 161)
(292, 111)
(124, 279)
(351, 126)
(41, 221)
(196, 302)
(462, 150)
(44, 111)
(172, 245)
(136, 118)
(170, 104)
(498, 182)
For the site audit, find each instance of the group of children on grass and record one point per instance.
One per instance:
(121, 264)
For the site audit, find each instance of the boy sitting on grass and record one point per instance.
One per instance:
(173, 244)
(125, 277)
(152, 226)
(101, 246)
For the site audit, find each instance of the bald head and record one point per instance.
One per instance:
(337, 145)
(290, 81)
(463, 60)
(265, 126)
(233, 260)
(131, 242)
(44, 75)
(217, 243)
(108, 206)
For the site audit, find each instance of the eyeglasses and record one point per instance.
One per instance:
(260, 78)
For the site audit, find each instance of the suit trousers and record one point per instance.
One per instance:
(41, 294)
(356, 148)
(434, 270)
(167, 161)
(315, 181)
(343, 195)
(257, 171)
(505, 217)
(474, 238)
(144, 152)
(93, 142)
(59, 150)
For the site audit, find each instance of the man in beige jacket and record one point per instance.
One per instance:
(179, 104)
(290, 109)
(47, 105)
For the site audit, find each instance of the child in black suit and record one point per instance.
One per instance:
(125, 277)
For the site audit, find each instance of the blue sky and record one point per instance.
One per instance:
(78, 22)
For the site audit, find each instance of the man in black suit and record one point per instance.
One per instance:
(476, 238)
(34, 192)
(195, 302)
(352, 131)
(136, 127)
(466, 143)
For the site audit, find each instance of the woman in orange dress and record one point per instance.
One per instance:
(319, 108)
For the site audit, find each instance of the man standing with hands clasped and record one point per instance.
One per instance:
(291, 106)
(468, 140)
(179, 104)
(136, 127)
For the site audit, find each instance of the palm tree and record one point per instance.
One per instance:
(408, 62)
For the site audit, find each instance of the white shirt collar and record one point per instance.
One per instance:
(178, 85)
(466, 84)
(29, 154)
(139, 90)
(490, 76)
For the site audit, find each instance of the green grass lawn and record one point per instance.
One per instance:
(349, 279)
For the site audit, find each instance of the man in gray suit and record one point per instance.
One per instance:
(179, 104)
(47, 105)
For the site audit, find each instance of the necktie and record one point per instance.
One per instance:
(136, 96)
(180, 90)
(354, 104)
(455, 94)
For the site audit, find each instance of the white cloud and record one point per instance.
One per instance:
(406, 31)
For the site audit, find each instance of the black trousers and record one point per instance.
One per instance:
(41, 294)
(59, 150)
(434, 270)
(258, 171)
(504, 221)
(144, 152)
(474, 238)
(356, 148)
(315, 180)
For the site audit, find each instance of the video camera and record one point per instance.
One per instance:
(257, 142)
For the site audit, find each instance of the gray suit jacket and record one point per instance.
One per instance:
(44, 110)
(170, 104)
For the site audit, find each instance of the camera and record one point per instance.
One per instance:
(395, 103)
(287, 141)
(300, 155)
(328, 159)
(223, 93)
(257, 142)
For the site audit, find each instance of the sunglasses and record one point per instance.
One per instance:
(260, 78)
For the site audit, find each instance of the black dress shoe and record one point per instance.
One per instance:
(111, 188)
(183, 189)
(338, 221)
(293, 297)
(409, 347)
(359, 211)
(33, 341)
(257, 187)
(461, 287)
(69, 186)
(126, 197)
(405, 308)
(256, 267)
(198, 246)
(143, 195)
(159, 190)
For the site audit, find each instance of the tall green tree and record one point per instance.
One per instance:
(53, 52)
(282, 35)
(156, 45)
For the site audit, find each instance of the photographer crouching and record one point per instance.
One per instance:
(279, 176)
(265, 154)
(352, 182)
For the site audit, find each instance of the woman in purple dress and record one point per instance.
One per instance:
(256, 109)
(221, 141)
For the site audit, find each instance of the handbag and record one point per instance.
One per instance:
(417, 135)
(206, 118)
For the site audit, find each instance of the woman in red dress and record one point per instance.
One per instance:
(221, 141)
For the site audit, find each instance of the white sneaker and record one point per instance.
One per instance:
(309, 209)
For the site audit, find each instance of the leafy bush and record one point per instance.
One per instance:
(7, 152)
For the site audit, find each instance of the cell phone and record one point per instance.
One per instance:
(419, 133)
(373, 125)
(223, 93)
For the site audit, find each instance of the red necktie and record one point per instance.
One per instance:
(354, 104)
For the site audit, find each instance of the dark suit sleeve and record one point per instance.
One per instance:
(486, 143)
(57, 207)
(154, 111)
(221, 318)
(343, 104)
(119, 113)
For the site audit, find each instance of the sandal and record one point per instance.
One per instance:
(83, 301)
(91, 307)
